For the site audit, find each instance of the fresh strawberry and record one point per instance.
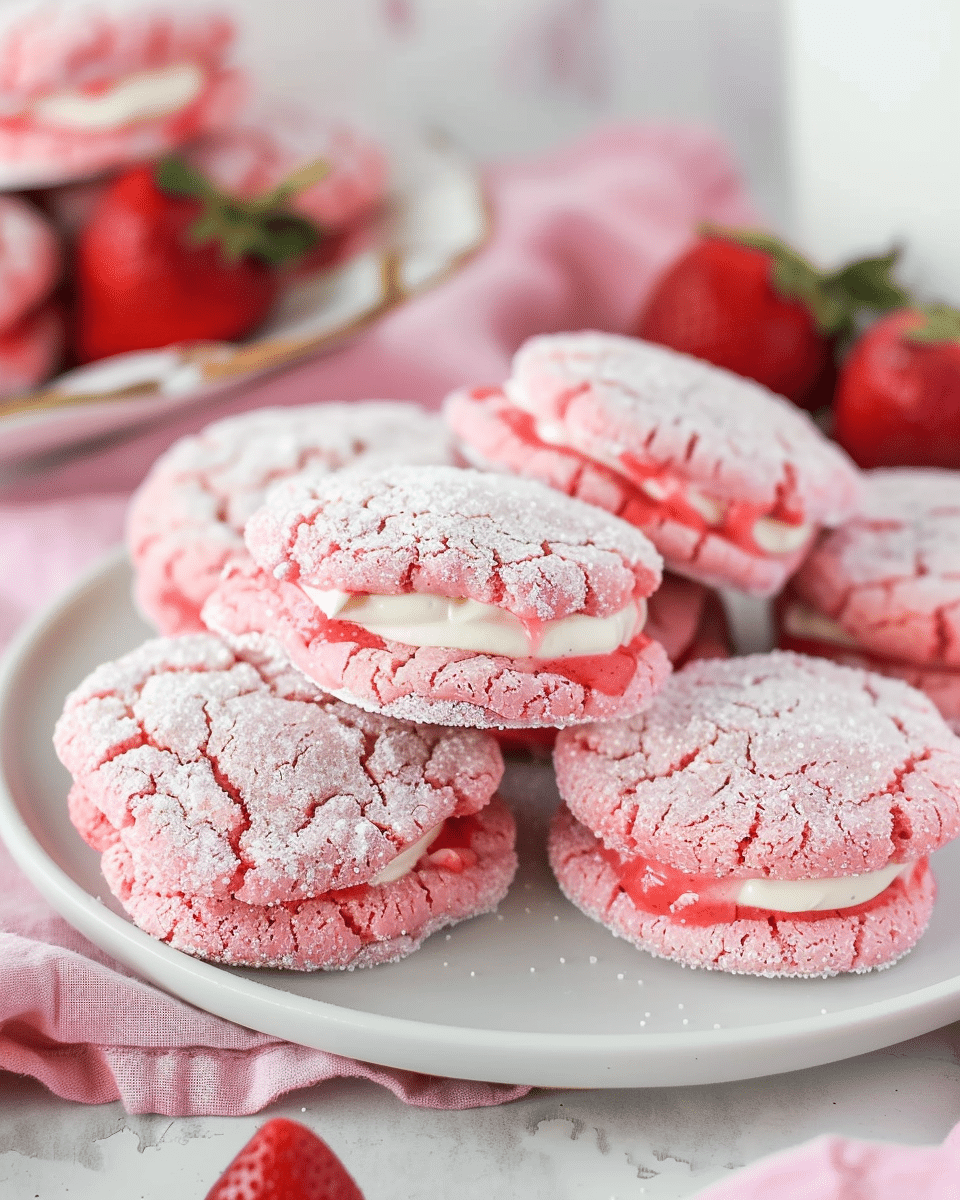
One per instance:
(166, 258)
(898, 399)
(285, 1161)
(746, 301)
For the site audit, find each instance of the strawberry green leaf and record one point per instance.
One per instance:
(262, 226)
(940, 324)
(834, 299)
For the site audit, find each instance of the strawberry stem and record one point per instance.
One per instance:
(835, 299)
(262, 226)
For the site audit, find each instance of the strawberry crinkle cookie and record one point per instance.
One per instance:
(883, 590)
(247, 818)
(89, 86)
(729, 481)
(768, 815)
(447, 595)
(271, 142)
(186, 520)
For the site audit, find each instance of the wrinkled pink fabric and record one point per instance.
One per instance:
(836, 1168)
(578, 237)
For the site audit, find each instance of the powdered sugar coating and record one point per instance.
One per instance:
(738, 440)
(775, 765)
(941, 684)
(31, 349)
(272, 141)
(71, 46)
(451, 532)
(235, 779)
(254, 610)
(356, 927)
(186, 521)
(777, 945)
(891, 575)
(496, 435)
(29, 259)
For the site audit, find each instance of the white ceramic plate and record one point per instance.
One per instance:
(436, 217)
(535, 994)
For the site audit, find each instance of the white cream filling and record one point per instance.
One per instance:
(422, 619)
(817, 895)
(138, 97)
(770, 535)
(407, 859)
(777, 537)
(801, 621)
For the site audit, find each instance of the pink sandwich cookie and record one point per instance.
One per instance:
(729, 481)
(883, 590)
(85, 87)
(186, 521)
(247, 818)
(768, 815)
(446, 595)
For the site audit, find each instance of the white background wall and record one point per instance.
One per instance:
(862, 95)
(509, 76)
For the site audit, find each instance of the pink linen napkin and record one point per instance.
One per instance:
(836, 1168)
(578, 237)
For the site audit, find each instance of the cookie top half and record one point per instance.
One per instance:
(890, 577)
(773, 765)
(235, 777)
(648, 410)
(506, 542)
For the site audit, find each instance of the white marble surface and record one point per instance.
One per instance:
(657, 1144)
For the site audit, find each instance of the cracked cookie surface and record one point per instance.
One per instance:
(230, 789)
(772, 765)
(453, 532)
(186, 520)
(620, 394)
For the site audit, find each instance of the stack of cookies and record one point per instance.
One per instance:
(310, 782)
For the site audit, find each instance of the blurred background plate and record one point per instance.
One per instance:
(436, 218)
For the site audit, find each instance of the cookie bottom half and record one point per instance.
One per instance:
(778, 944)
(354, 927)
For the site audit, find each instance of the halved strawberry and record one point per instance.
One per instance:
(285, 1161)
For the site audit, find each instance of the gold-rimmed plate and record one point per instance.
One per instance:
(435, 219)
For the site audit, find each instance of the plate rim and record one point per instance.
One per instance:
(220, 366)
(603, 1060)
